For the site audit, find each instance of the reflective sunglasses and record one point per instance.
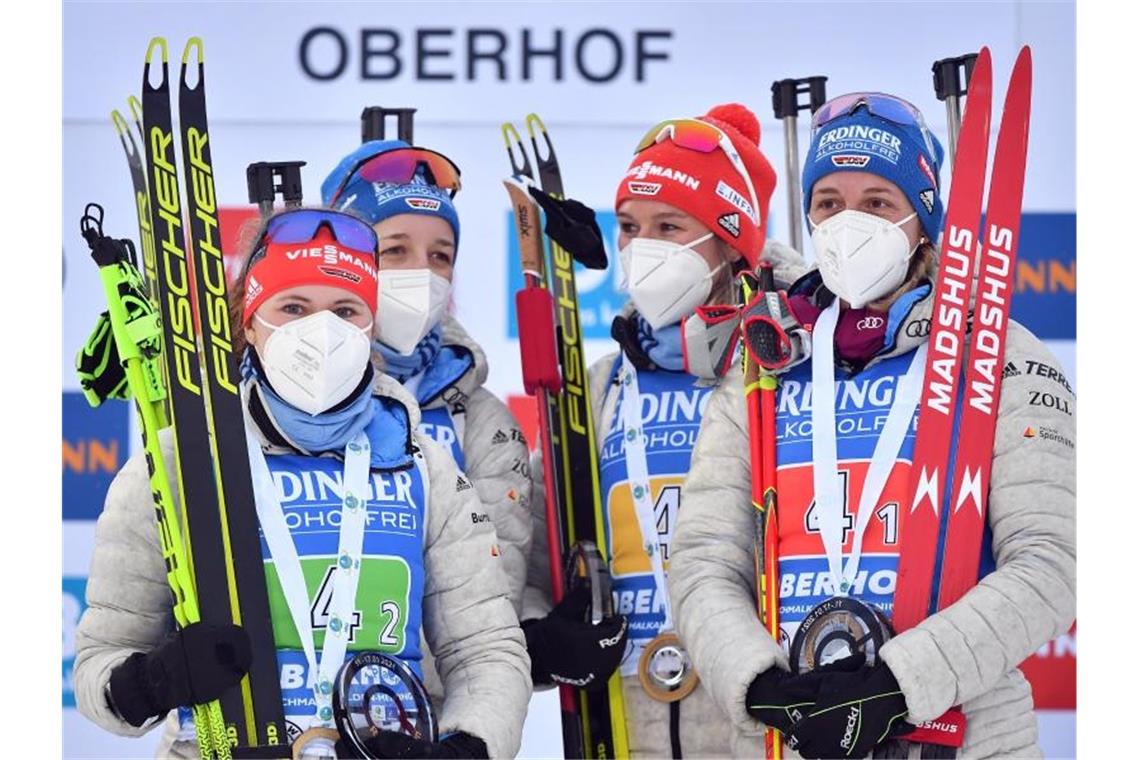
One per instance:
(702, 137)
(298, 226)
(880, 104)
(400, 167)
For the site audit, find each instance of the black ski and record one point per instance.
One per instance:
(260, 689)
(198, 496)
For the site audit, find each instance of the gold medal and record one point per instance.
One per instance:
(665, 670)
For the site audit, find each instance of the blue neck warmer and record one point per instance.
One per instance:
(663, 346)
(404, 367)
(384, 421)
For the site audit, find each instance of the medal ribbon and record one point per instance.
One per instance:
(829, 499)
(637, 469)
(346, 577)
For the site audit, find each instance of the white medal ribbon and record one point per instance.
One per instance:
(829, 498)
(353, 519)
(637, 471)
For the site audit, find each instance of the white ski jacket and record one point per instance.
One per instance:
(468, 618)
(496, 463)
(965, 655)
(704, 729)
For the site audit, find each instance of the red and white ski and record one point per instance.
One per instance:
(967, 518)
(919, 525)
(995, 260)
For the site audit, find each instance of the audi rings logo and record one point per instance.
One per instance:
(869, 323)
(919, 328)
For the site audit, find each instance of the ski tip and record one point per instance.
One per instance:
(135, 106)
(534, 124)
(510, 134)
(119, 122)
(1024, 58)
(159, 43)
(193, 44)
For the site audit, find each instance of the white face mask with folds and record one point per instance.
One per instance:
(862, 257)
(666, 281)
(315, 362)
(411, 304)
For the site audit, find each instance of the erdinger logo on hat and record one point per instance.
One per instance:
(876, 141)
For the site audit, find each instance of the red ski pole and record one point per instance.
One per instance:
(760, 397)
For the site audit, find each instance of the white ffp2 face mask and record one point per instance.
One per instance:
(411, 304)
(315, 362)
(666, 281)
(861, 257)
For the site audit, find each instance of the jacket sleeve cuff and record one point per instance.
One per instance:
(925, 677)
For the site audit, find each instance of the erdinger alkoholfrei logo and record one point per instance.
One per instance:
(860, 138)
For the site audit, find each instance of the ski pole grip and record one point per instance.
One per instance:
(786, 95)
(952, 75)
(767, 278)
(535, 309)
(265, 180)
(373, 118)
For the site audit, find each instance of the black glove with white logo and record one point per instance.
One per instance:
(193, 666)
(566, 649)
(855, 711)
(393, 744)
(779, 699)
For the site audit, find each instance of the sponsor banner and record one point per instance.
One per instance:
(1052, 672)
(599, 299)
(96, 443)
(1045, 283)
(74, 602)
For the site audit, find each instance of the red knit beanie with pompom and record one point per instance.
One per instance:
(707, 185)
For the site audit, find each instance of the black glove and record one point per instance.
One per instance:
(779, 699)
(574, 227)
(393, 744)
(193, 666)
(854, 712)
(565, 649)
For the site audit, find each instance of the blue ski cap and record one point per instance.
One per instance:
(863, 142)
(376, 201)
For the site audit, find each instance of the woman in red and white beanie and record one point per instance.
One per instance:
(693, 209)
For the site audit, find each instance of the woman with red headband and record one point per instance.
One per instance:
(326, 435)
(693, 210)
(853, 335)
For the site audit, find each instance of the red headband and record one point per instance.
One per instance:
(322, 261)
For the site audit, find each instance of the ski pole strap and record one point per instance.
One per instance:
(829, 498)
(354, 518)
(637, 469)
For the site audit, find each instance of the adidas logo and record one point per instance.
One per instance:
(462, 484)
(927, 198)
(1010, 370)
(730, 223)
(499, 437)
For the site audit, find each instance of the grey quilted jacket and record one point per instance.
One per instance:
(468, 618)
(704, 728)
(965, 655)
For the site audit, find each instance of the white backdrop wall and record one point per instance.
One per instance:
(288, 81)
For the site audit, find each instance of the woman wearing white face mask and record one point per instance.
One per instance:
(405, 193)
(692, 209)
(326, 434)
(854, 332)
